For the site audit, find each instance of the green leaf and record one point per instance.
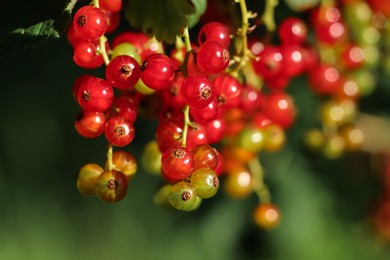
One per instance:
(162, 19)
(44, 29)
(200, 9)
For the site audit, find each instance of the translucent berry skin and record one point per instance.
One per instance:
(212, 57)
(197, 91)
(205, 156)
(280, 109)
(119, 132)
(215, 130)
(292, 31)
(266, 216)
(95, 94)
(77, 83)
(111, 5)
(227, 91)
(125, 107)
(177, 163)
(270, 62)
(205, 182)
(87, 178)
(252, 99)
(206, 114)
(238, 184)
(324, 79)
(169, 133)
(197, 135)
(123, 72)
(214, 31)
(158, 71)
(90, 22)
(90, 124)
(182, 196)
(113, 21)
(252, 139)
(123, 162)
(293, 61)
(111, 186)
(85, 54)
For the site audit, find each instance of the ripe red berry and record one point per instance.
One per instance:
(197, 91)
(90, 124)
(111, 5)
(123, 72)
(95, 94)
(280, 109)
(169, 133)
(206, 114)
(125, 107)
(212, 57)
(214, 31)
(90, 22)
(269, 63)
(227, 90)
(158, 71)
(177, 163)
(324, 79)
(85, 55)
(292, 31)
(119, 132)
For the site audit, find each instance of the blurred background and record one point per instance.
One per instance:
(329, 207)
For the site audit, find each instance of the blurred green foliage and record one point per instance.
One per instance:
(325, 204)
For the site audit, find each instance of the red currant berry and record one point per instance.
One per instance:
(111, 5)
(206, 114)
(215, 130)
(111, 186)
(197, 91)
(123, 72)
(95, 94)
(269, 63)
(123, 162)
(292, 31)
(280, 109)
(324, 79)
(227, 90)
(212, 57)
(125, 107)
(90, 22)
(214, 31)
(266, 216)
(169, 133)
(90, 124)
(78, 82)
(177, 163)
(85, 55)
(158, 71)
(119, 132)
(113, 21)
(205, 156)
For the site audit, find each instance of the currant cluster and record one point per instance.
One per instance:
(348, 37)
(219, 99)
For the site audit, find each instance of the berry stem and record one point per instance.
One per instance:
(102, 40)
(109, 157)
(186, 109)
(244, 53)
(268, 15)
(187, 122)
(258, 185)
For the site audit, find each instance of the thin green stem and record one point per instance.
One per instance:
(244, 54)
(258, 185)
(269, 14)
(95, 3)
(187, 122)
(103, 51)
(109, 157)
(186, 109)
